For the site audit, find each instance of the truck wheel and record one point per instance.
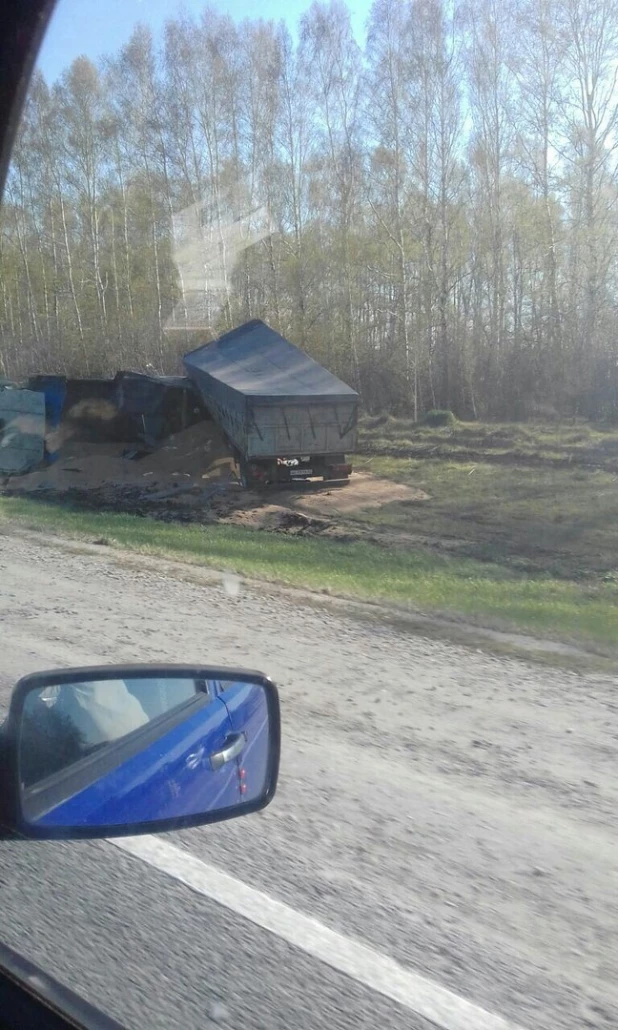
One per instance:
(244, 475)
(253, 475)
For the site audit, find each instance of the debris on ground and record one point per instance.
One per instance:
(367, 492)
(197, 455)
(192, 477)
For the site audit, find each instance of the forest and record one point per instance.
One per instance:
(430, 211)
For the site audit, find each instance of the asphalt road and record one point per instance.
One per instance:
(452, 811)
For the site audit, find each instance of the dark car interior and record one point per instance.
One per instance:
(28, 997)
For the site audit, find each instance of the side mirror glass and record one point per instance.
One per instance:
(103, 752)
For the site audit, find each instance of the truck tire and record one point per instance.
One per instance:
(244, 475)
(255, 475)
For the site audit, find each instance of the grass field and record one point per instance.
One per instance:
(535, 497)
(560, 521)
(555, 444)
(484, 592)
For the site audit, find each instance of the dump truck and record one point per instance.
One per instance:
(286, 417)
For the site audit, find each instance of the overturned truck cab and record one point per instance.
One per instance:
(287, 418)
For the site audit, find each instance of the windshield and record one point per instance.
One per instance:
(308, 364)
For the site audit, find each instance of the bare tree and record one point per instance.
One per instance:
(590, 111)
(433, 215)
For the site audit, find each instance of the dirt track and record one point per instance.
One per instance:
(456, 811)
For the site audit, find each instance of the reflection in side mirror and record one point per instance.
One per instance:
(106, 751)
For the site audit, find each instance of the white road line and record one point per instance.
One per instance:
(423, 996)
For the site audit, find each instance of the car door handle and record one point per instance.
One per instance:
(233, 748)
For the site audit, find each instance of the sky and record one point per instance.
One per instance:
(97, 27)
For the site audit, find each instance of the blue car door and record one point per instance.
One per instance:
(248, 713)
(171, 777)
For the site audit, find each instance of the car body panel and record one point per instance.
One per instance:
(172, 777)
(248, 713)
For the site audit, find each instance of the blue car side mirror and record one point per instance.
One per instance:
(115, 750)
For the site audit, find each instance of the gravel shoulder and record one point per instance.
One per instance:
(453, 809)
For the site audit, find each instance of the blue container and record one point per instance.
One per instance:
(54, 389)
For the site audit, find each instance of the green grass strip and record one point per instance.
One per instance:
(482, 591)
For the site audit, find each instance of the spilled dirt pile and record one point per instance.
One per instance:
(364, 491)
(197, 455)
(192, 477)
(187, 478)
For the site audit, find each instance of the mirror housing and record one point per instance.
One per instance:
(122, 750)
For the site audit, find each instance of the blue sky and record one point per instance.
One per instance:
(97, 27)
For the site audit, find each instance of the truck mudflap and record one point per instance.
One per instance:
(339, 471)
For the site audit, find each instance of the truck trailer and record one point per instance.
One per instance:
(286, 417)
